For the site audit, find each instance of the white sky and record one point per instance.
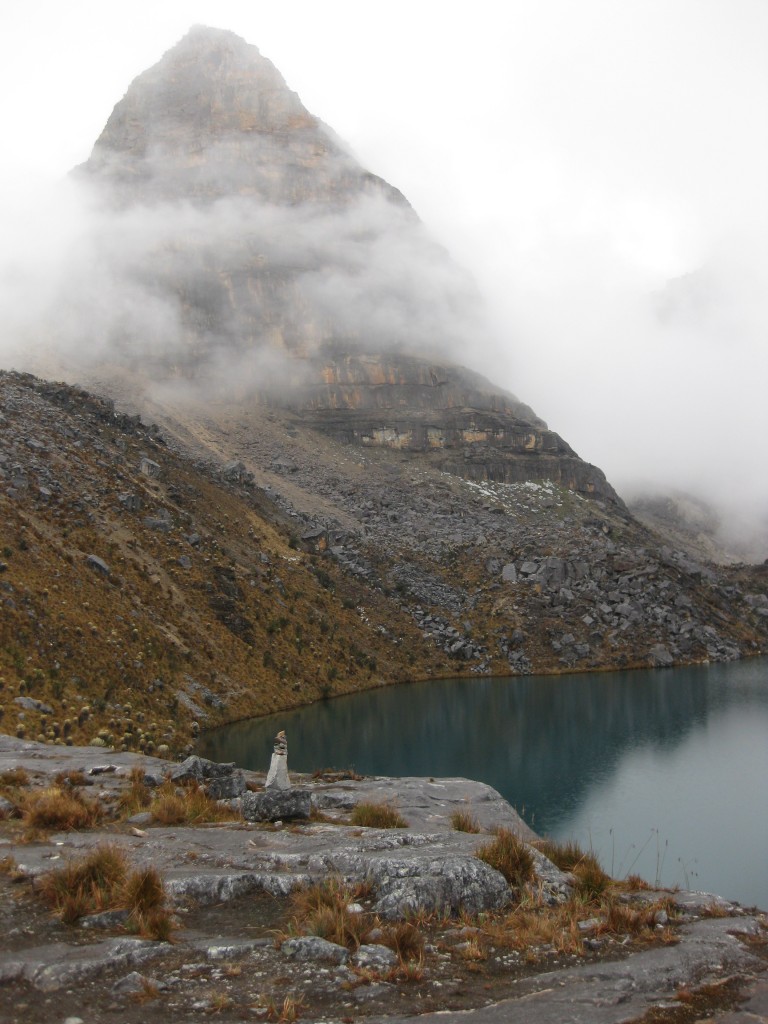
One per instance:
(573, 154)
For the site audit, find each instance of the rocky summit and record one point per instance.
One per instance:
(271, 262)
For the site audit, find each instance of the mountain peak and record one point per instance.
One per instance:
(190, 125)
(273, 262)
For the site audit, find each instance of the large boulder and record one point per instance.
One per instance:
(276, 805)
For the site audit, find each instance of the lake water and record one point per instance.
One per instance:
(664, 774)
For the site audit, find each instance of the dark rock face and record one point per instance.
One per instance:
(289, 268)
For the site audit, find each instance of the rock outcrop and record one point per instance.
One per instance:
(440, 930)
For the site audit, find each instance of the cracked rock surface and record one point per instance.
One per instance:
(236, 951)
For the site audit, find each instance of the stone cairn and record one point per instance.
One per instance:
(277, 777)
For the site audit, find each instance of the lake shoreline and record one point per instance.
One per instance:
(574, 754)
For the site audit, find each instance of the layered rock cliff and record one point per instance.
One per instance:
(274, 265)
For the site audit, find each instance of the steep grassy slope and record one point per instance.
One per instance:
(134, 605)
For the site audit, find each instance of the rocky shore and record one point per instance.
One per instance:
(240, 949)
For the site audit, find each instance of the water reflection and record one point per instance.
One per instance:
(603, 757)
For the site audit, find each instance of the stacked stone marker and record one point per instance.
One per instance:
(277, 777)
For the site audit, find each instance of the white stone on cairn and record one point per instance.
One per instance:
(277, 777)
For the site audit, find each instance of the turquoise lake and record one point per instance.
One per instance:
(663, 773)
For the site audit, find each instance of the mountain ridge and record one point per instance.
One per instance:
(362, 509)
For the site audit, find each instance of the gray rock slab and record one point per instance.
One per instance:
(429, 865)
(59, 965)
(615, 992)
(229, 950)
(45, 757)
(135, 984)
(277, 805)
(105, 921)
(428, 804)
(312, 947)
(374, 957)
(659, 656)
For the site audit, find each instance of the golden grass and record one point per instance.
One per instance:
(13, 777)
(464, 821)
(73, 777)
(564, 855)
(137, 796)
(623, 919)
(377, 815)
(103, 880)
(591, 880)
(87, 885)
(324, 910)
(188, 806)
(54, 808)
(408, 970)
(288, 1012)
(634, 883)
(404, 939)
(531, 927)
(473, 949)
(528, 928)
(509, 855)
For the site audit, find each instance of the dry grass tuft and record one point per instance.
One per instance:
(565, 855)
(9, 867)
(591, 880)
(405, 939)
(87, 885)
(623, 919)
(634, 883)
(73, 777)
(287, 1013)
(218, 1002)
(532, 929)
(509, 855)
(528, 929)
(465, 821)
(137, 796)
(473, 949)
(14, 777)
(383, 815)
(713, 909)
(324, 910)
(188, 806)
(102, 880)
(409, 970)
(142, 890)
(56, 808)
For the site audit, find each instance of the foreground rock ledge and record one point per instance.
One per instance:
(227, 882)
